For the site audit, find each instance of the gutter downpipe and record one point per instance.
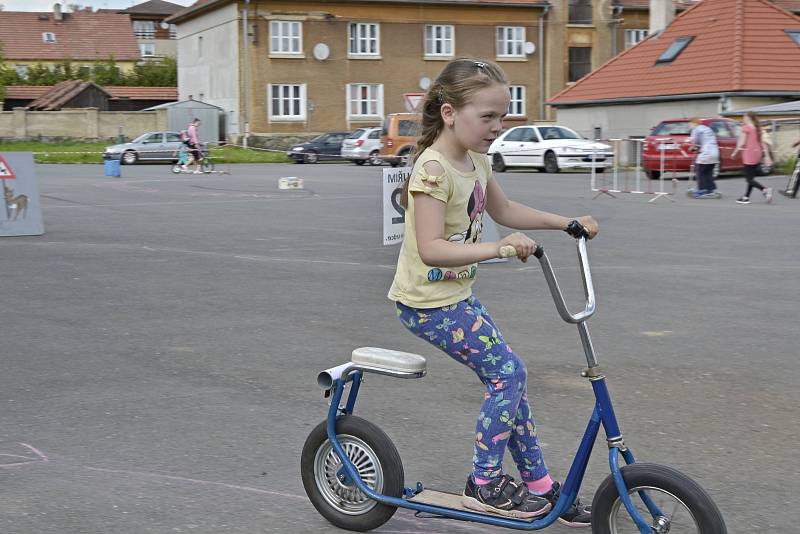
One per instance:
(245, 73)
(541, 61)
(616, 16)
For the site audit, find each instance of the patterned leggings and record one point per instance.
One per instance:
(466, 332)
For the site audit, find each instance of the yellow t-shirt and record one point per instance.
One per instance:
(426, 286)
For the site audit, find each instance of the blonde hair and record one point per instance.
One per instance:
(455, 85)
(757, 123)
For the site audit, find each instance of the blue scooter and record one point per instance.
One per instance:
(353, 474)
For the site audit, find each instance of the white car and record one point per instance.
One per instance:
(548, 148)
(363, 145)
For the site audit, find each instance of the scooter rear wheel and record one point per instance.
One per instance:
(377, 461)
(686, 507)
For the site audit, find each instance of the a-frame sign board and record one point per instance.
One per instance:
(21, 211)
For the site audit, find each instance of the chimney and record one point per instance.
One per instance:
(57, 12)
(661, 14)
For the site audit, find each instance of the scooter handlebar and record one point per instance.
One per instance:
(588, 287)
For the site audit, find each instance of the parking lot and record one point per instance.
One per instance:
(161, 341)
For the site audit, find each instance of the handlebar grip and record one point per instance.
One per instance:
(576, 229)
(507, 251)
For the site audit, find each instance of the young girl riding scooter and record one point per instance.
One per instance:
(450, 188)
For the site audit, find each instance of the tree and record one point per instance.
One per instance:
(107, 73)
(152, 74)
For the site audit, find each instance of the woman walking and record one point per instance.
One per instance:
(753, 151)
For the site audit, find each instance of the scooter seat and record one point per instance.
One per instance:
(393, 360)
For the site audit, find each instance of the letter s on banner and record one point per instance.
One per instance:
(394, 216)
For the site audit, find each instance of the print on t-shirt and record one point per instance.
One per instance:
(475, 209)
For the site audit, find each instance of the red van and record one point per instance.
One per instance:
(672, 137)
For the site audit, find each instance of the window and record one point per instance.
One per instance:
(634, 36)
(580, 11)
(516, 108)
(794, 35)
(287, 101)
(22, 71)
(364, 39)
(364, 100)
(672, 128)
(721, 129)
(48, 37)
(580, 63)
(674, 49)
(285, 37)
(200, 46)
(173, 31)
(147, 49)
(376, 134)
(144, 29)
(522, 135)
(438, 40)
(510, 40)
(557, 132)
(173, 137)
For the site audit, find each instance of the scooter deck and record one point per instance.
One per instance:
(450, 500)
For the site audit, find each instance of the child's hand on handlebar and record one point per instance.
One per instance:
(590, 225)
(523, 245)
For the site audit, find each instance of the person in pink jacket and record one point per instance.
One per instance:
(753, 152)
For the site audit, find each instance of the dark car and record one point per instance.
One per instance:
(325, 146)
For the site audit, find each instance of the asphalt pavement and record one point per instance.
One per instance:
(160, 344)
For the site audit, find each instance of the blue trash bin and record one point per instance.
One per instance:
(112, 168)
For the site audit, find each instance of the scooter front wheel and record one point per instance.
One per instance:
(684, 507)
(375, 458)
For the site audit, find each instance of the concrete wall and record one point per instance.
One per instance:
(210, 72)
(88, 123)
(632, 120)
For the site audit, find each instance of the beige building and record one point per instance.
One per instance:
(301, 66)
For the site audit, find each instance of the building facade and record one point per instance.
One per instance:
(279, 66)
(156, 38)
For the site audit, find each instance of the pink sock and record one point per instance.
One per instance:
(481, 481)
(541, 486)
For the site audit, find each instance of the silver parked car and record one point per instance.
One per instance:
(363, 145)
(150, 146)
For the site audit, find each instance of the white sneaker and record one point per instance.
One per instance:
(767, 194)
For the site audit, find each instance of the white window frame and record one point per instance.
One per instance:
(633, 36)
(173, 31)
(357, 34)
(283, 42)
(143, 47)
(445, 41)
(510, 37)
(22, 71)
(374, 95)
(48, 37)
(302, 104)
(144, 29)
(516, 107)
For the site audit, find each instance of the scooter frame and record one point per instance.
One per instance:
(602, 415)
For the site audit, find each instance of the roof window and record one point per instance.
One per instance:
(48, 37)
(674, 49)
(794, 35)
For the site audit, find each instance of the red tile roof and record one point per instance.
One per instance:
(80, 36)
(739, 45)
(21, 92)
(789, 5)
(142, 93)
